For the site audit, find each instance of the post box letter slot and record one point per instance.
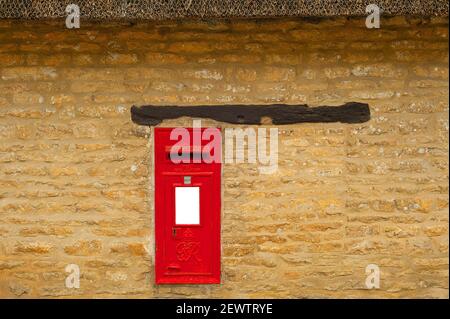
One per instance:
(187, 156)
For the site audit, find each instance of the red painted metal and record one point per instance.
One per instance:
(186, 254)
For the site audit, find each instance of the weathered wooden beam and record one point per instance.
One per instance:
(252, 114)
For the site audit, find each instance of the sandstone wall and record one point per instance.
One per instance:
(76, 173)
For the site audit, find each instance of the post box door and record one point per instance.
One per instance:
(187, 219)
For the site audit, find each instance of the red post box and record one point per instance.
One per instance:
(187, 208)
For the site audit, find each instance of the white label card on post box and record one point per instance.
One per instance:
(187, 205)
